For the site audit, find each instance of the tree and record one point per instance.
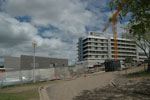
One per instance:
(138, 11)
(128, 59)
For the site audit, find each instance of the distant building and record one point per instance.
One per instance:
(98, 46)
(26, 63)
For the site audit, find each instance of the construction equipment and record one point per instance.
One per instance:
(112, 65)
(114, 29)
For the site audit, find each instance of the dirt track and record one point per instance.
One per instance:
(69, 89)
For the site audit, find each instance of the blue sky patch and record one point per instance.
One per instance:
(50, 27)
(23, 19)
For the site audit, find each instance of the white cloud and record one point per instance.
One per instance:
(16, 38)
(69, 17)
(13, 32)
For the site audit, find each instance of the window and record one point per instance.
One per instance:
(91, 33)
(95, 39)
(89, 56)
(96, 56)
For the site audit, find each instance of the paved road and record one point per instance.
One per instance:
(69, 89)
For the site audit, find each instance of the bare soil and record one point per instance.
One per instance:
(69, 89)
(94, 87)
(131, 90)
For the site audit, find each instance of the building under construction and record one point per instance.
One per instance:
(97, 47)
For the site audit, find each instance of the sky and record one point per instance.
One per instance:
(56, 26)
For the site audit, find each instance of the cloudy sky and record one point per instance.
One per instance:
(56, 25)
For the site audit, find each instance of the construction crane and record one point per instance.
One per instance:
(114, 29)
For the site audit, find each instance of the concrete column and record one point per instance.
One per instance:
(137, 53)
(109, 48)
(80, 52)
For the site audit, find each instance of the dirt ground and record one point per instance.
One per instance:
(70, 89)
(138, 89)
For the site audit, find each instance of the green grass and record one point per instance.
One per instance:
(31, 84)
(26, 95)
(31, 94)
(139, 74)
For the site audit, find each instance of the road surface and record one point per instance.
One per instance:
(69, 89)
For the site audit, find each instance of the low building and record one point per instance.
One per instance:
(26, 63)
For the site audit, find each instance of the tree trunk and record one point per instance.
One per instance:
(149, 61)
(148, 65)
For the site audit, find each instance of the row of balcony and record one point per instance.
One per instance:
(92, 58)
(94, 39)
(127, 41)
(99, 46)
(124, 43)
(121, 54)
(93, 49)
(106, 49)
(130, 48)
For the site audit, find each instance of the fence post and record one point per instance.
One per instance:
(144, 66)
(20, 76)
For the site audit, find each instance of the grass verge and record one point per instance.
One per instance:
(27, 91)
(139, 74)
(25, 95)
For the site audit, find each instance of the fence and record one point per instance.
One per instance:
(24, 76)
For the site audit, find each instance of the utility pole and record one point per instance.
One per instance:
(34, 45)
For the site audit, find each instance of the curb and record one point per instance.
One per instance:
(112, 83)
(39, 90)
(43, 93)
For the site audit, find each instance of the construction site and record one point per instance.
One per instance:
(108, 67)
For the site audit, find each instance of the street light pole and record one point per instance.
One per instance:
(34, 45)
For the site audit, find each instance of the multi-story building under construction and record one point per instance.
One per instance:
(99, 46)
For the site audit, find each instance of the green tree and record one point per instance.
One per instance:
(138, 11)
(128, 59)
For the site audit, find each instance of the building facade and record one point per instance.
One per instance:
(97, 47)
(26, 63)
